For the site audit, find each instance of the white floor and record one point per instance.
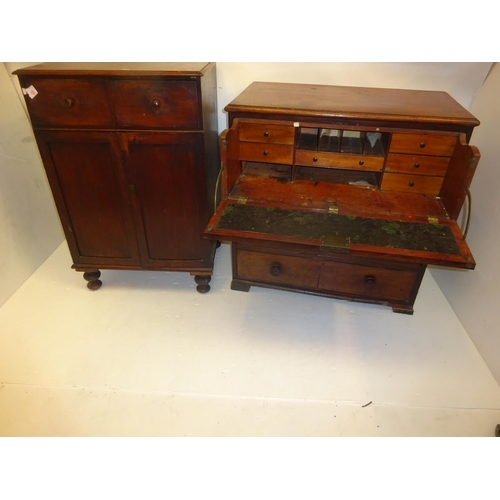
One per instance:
(146, 355)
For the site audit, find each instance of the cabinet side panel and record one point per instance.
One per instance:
(208, 86)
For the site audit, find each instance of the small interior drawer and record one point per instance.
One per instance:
(333, 160)
(412, 183)
(274, 269)
(417, 165)
(423, 144)
(368, 282)
(67, 102)
(157, 104)
(267, 153)
(266, 133)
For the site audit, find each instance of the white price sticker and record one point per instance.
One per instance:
(31, 91)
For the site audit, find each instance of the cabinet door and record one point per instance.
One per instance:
(167, 176)
(90, 191)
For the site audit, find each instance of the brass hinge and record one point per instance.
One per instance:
(335, 243)
(433, 220)
(333, 208)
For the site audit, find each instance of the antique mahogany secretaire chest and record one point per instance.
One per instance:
(131, 155)
(344, 192)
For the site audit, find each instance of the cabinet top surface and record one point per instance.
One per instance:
(351, 102)
(116, 69)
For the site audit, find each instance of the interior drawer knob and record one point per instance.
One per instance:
(416, 165)
(266, 134)
(411, 184)
(370, 282)
(361, 162)
(155, 103)
(275, 270)
(315, 158)
(69, 102)
(265, 153)
(422, 144)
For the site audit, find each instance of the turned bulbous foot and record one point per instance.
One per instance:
(203, 283)
(94, 283)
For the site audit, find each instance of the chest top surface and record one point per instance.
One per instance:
(352, 102)
(116, 69)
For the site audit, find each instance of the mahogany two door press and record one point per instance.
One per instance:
(131, 157)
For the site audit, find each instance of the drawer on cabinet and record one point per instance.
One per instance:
(419, 165)
(368, 282)
(67, 102)
(156, 104)
(333, 160)
(412, 183)
(423, 144)
(277, 269)
(268, 153)
(266, 133)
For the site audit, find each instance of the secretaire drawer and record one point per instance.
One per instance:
(412, 183)
(423, 144)
(267, 153)
(417, 165)
(333, 160)
(156, 104)
(267, 133)
(67, 102)
(277, 269)
(368, 282)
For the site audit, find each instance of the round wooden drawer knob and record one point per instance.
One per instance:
(275, 270)
(411, 184)
(416, 165)
(370, 282)
(361, 162)
(155, 104)
(422, 144)
(315, 159)
(266, 134)
(265, 153)
(69, 102)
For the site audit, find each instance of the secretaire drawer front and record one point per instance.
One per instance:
(267, 133)
(267, 153)
(332, 160)
(423, 144)
(67, 102)
(157, 104)
(417, 165)
(370, 282)
(277, 269)
(412, 183)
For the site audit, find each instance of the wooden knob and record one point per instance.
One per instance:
(370, 282)
(416, 165)
(315, 158)
(69, 102)
(275, 270)
(361, 162)
(411, 184)
(266, 134)
(265, 153)
(155, 104)
(422, 144)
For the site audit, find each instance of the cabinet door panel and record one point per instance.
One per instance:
(89, 188)
(166, 171)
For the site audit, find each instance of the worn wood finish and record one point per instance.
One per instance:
(357, 212)
(131, 154)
